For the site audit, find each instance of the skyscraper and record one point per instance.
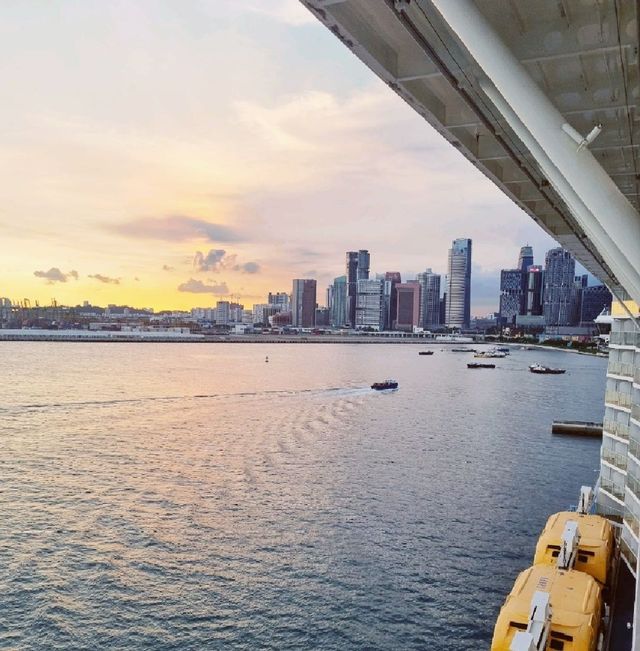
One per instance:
(512, 294)
(303, 303)
(357, 268)
(459, 286)
(594, 300)
(370, 304)
(559, 288)
(408, 308)
(338, 304)
(525, 259)
(391, 280)
(533, 297)
(429, 299)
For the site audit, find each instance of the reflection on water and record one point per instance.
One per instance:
(167, 496)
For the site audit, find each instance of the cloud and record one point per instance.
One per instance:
(54, 275)
(175, 228)
(212, 261)
(218, 260)
(166, 267)
(248, 268)
(198, 287)
(105, 279)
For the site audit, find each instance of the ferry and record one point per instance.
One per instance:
(491, 353)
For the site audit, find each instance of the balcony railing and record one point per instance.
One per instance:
(636, 375)
(617, 398)
(635, 412)
(634, 449)
(621, 368)
(633, 524)
(623, 338)
(617, 459)
(616, 428)
(633, 485)
(628, 554)
(612, 489)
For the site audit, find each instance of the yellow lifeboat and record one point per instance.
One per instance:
(551, 609)
(595, 546)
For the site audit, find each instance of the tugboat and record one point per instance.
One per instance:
(387, 384)
(546, 370)
(425, 352)
(480, 365)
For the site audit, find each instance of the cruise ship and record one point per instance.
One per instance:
(542, 97)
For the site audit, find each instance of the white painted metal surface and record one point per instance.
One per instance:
(537, 633)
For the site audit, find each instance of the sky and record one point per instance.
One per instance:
(172, 154)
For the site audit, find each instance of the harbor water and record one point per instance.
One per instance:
(193, 496)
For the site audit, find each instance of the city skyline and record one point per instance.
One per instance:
(147, 185)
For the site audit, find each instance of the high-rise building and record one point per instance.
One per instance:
(370, 304)
(280, 298)
(408, 306)
(338, 302)
(525, 259)
(459, 285)
(357, 268)
(429, 299)
(534, 287)
(512, 294)
(391, 280)
(303, 303)
(559, 288)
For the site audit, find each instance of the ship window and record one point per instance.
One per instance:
(562, 636)
(556, 644)
(582, 558)
(519, 625)
(553, 547)
(586, 552)
(555, 553)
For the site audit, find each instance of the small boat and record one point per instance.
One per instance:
(425, 352)
(546, 370)
(463, 350)
(387, 384)
(503, 349)
(491, 353)
(480, 365)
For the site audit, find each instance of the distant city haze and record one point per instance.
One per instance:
(171, 155)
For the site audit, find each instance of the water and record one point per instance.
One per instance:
(189, 496)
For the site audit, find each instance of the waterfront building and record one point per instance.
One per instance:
(408, 306)
(459, 286)
(222, 313)
(357, 268)
(322, 316)
(370, 304)
(429, 282)
(391, 280)
(559, 289)
(303, 303)
(262, 312)
(594, 300)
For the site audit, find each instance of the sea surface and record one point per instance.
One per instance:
(192, 496)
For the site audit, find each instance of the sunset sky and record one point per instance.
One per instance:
(170, 154)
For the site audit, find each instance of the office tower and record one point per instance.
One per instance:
(303, 303)
(459, 286)
(338, 304)
(594, 300)
(525, 259)
(391, 280)
(512, 294)
(534, 286)
(429, 299)
(559, 288)
(357, 268)
(322, 316)
(280, 298)
(370, 304)
(408, 306)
